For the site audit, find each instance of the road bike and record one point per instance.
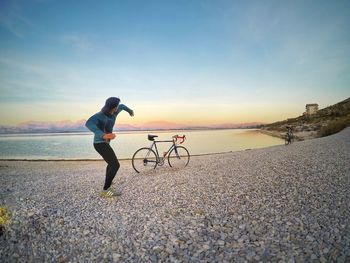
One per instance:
(148, 158)
(289, 137)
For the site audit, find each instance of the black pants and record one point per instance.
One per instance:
(107, 153)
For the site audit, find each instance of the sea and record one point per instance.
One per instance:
(79, 146)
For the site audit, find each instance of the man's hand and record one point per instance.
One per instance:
(131, 113)
(109, 136)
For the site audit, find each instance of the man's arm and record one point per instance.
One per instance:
(91, 124)
(124, 107)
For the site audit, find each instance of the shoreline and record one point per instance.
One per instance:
(119, 159)
(299, 136)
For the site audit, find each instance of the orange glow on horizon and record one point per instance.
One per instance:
(191, 115)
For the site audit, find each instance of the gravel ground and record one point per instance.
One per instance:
(277, 204)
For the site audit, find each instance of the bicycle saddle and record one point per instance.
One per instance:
(151, 137)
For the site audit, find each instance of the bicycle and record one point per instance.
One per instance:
(146, 158)
(289, 137)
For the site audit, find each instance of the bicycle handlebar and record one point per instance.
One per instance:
(182, 138)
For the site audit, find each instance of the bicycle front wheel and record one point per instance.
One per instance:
(292, 139)
(179, 157)
(144, 159)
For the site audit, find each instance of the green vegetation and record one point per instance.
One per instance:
(335, 126)
(4, 218)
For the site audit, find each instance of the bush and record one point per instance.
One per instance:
(4, 219)
(335, 126)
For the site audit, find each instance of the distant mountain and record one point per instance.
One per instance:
(79, 126)
(238, 125)
(164, 125)
(59, 126)
(324, 122)
(65, 125)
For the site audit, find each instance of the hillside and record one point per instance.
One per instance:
(325, 122)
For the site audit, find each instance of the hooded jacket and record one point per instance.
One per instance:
(103, 122)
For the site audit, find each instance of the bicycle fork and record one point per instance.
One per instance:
(176, 153)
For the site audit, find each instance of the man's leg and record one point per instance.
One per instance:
(107, 153)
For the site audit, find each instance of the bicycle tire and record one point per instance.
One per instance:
(175, 155)
(142, 157)
(286, 140)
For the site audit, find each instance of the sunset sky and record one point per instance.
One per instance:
(184, 61)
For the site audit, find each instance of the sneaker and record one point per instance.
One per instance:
(110, 192)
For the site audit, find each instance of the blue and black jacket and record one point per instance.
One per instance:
(103, 122)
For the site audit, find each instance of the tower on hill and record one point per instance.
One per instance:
(311, 108)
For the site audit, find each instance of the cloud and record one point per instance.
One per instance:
(77, 42)
(26, 79)
(12, 19)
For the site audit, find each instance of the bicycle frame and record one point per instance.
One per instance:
(154, 144)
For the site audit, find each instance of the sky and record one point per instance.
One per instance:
(195, 62)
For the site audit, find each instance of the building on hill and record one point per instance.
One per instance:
(311, 108)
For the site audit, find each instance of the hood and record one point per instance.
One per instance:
(111, 103)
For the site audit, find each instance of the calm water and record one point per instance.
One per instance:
(79, 145)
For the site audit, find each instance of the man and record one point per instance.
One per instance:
(101, 124)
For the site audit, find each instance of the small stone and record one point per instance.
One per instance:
(170, 250)
(45, 214)
(157, 248)
(114, 246)
(266, 253)
(323, 259)
(198, 211)
(30, 214)
(221, 243)
(205, 247)
(116, 256)
(341, 259)
(310, 238)
(242, 226)
(250, 255)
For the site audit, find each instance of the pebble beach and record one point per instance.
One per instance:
(276, 204)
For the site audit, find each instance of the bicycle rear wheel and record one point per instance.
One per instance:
(179, 157)
(144, 159)
(286, 140)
